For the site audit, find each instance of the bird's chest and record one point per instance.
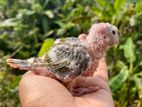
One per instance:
(95, 57)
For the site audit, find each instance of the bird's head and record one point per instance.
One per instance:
(103, 34)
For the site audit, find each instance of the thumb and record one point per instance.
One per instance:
(35, 89)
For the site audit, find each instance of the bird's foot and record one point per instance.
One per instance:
(84, 90)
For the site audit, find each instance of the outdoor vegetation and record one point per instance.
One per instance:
(29, 27)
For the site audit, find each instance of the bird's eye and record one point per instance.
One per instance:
(113, 32)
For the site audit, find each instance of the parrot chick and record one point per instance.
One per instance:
(72, 57)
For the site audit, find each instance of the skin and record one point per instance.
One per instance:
(41, 91)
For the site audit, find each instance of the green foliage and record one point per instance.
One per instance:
(138, 81)
(9, 90)
(45, 46)
(29, 27)
(129, 51)
(120, 78)
(118, 4)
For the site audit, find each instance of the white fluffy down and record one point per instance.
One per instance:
(52, 55)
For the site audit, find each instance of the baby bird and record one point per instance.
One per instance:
(72, 57)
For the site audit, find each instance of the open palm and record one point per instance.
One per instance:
(41, 91)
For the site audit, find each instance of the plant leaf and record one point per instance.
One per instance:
(138, 82)
(118, 4)
(14, 82)
(8, 23)
(138, 7)
(61, 31)
(129, 49)
(49, 13)
(101, 2)
(119, 79)
(45, 46)
(1, 75)
(45, 25)
(2, 2)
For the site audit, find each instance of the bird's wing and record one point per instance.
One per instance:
(69, 40)
(59, 66)
(67, 59)
(47, 60)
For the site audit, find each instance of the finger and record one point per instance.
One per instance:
(101, 97)
(38, 90)
(102, 70)
(95, 98)
(85, 82)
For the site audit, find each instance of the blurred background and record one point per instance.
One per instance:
(29, 27)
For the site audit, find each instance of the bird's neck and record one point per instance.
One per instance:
(96, 49)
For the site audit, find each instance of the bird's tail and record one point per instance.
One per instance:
(18, 63)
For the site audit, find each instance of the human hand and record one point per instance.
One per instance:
(41, 91)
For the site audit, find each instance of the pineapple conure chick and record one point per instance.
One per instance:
(71, 58)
